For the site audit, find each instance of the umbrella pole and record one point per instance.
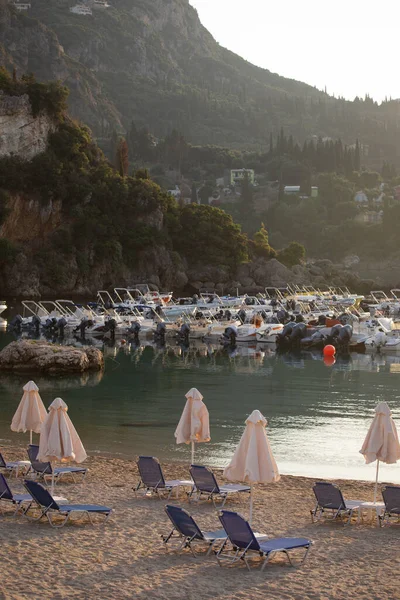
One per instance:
(376, 480)
(52, 480)
(251, 504)
(30, 437)
(192, 453)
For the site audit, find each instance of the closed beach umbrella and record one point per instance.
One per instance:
(253, 461)
(382, 441)
(31, 412)
(59, 440)
(194, 424)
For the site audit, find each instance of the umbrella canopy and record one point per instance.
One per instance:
(194, 424)
(253, 461)
(31, 412)
(382, 440)
(59, 440)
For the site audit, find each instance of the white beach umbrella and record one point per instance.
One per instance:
(31, 412)
(59, 440)
(253, 461)
(382, 441)
(194, 424)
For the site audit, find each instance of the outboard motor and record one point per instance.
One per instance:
(16, 323)
(322, 320)
(35, 324)
(228, 314)
(299, 332)
(229, 336)
(345, 335)
(83, 325)
(282, 316)
(134, 329)
(159, 333)
(110, 326)
(241, 315)
(61, 323)
(299, 318)
(282, 339)
(184, 332)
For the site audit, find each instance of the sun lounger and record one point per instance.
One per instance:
(244, 542)
(206, 485)
(188, 532)
(330, 499)
(45, 471)
(49, 507)
(16, 500)
(152, 478)
(17, 466)
(391, 498)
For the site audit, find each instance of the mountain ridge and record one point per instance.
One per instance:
(154, 63)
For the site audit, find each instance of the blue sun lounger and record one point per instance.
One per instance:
(391, 498)
(152, 478)
(205, 484)
(17, 500)
(243, 541)
(330, 499)
(45, 471)
(188, 532)
(49, 507)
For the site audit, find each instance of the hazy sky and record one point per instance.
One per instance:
(349, 46)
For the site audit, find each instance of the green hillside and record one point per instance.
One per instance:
(151, 61)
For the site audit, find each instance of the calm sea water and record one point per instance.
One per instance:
(318, 416)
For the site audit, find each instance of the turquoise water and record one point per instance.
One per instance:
(318, 416)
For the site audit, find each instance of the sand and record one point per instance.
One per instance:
(125, 558)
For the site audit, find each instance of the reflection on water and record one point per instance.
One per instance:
(318, 416)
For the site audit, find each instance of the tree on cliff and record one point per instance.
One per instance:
(122, 157)
(292, 255)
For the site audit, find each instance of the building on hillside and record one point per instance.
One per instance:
(373, 217)
(237, 176)
(176, 193)
(100, 4)
(81, 9)
(295, 190)
(361, 197)
(291, 190)
(21, 5)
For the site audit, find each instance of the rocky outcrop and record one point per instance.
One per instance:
(43, 357)
(22, 134)
(29, 219)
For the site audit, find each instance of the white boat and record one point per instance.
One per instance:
(267, 334)
(3, 307)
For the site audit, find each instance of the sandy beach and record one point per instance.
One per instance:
(125, 558)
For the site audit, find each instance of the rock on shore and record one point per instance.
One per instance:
(43, 357)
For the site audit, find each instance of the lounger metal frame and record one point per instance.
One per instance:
(160, 487)
(46, 509)
(184, 540)
(48, 472)
(334, 503)
(215, 491)
(16, 466)
(241, 554)
(16, 500)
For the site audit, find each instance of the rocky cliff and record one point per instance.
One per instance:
(21, 133)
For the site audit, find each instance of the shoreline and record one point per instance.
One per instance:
(20, 451)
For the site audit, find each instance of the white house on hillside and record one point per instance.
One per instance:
(81, 9)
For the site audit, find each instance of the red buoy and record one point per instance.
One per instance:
(329, 350)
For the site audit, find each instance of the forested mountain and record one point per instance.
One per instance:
(152, 62)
